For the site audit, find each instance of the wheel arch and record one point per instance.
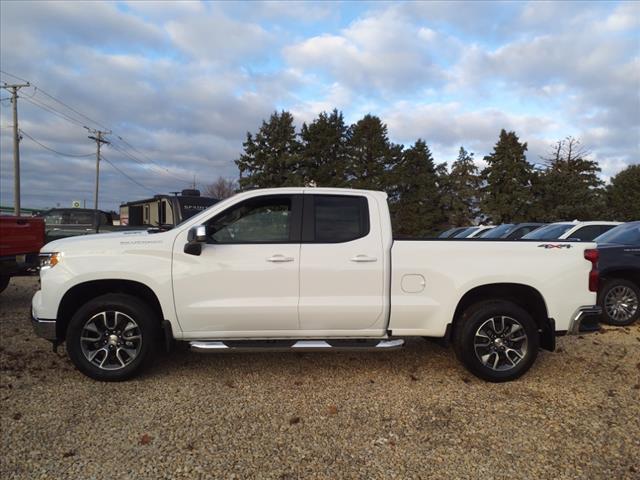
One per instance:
(525, 296)
(81, 293)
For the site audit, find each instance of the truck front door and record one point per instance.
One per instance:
(246, 280)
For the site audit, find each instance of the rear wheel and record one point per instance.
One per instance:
(620, 299)
(112, 337)
(496, 340)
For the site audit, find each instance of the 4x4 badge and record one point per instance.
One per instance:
(554, 245)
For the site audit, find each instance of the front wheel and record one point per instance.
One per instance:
(496, 340)
(112, 337)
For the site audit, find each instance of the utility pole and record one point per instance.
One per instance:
(98, 137)
(16, 144)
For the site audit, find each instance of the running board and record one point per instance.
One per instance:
(295, 345)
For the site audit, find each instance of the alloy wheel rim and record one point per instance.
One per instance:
(621, 303)
(501, 343)
(110, 340)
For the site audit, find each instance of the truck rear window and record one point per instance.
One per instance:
(340, 218)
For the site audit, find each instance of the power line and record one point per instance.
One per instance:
(124, 149)
(55, 151)
(14, 76)
(150, 160)
(37, 89)
(133, 157)
(127, 176)
(54, 111)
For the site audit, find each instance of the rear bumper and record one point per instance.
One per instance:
(44, 328)
(591, 312)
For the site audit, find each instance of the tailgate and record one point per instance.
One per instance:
(19, 235)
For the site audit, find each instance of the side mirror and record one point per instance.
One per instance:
(195, 238)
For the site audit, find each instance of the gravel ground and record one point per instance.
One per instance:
(414, 413)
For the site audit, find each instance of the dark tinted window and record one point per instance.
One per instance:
(550, 232)
(259, 220)
(71, 217)
(588, 233)
(340, 218)
(497, 232)
(446, 233)
(625, 234)
(521, 231)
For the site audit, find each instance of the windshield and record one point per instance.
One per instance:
(625, 234)
(550, 232)
(74, 217)
(497, 232)
(466, 232)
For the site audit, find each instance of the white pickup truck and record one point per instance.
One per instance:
(307, 269)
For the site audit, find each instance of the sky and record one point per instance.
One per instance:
(180, 84)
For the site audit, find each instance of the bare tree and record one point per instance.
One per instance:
(221, 188)
(567, 151)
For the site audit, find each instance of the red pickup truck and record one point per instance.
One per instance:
(21, 239)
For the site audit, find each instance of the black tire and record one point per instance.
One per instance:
(630, 291)
(467, 334)
(4, 282)
(123, 310)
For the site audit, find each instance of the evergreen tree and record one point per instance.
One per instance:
(324, 150)
(416, 210)
(508, 196)
(570, 186)
(462, 196)
(370, 155)
(623, 195)
(271, 158)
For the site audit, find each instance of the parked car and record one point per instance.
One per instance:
(21, 239)
(471, 232)
(307, 269)
(510, 231)
(619, 266)
(451, 232)
(583, 231)
(69, 222)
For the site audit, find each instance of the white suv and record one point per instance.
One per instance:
(583, 231)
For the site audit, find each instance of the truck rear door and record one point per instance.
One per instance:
(341, 266)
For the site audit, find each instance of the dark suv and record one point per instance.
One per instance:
(619, 266)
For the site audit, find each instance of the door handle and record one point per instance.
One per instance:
(279, 259)
(363, 258)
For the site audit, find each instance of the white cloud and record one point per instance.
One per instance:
(383, 51)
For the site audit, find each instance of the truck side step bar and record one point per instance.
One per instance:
(295, 345)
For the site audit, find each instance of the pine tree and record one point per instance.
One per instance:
(271, 158)
(462, 195)
(508, 196)
(623, 195)
(324, 150)
(570, 187)
(416, 210)
(371, 155)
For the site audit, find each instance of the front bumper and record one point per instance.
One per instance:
(590, 312)
(44, 328)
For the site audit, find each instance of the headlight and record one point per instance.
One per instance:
(50, 260)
